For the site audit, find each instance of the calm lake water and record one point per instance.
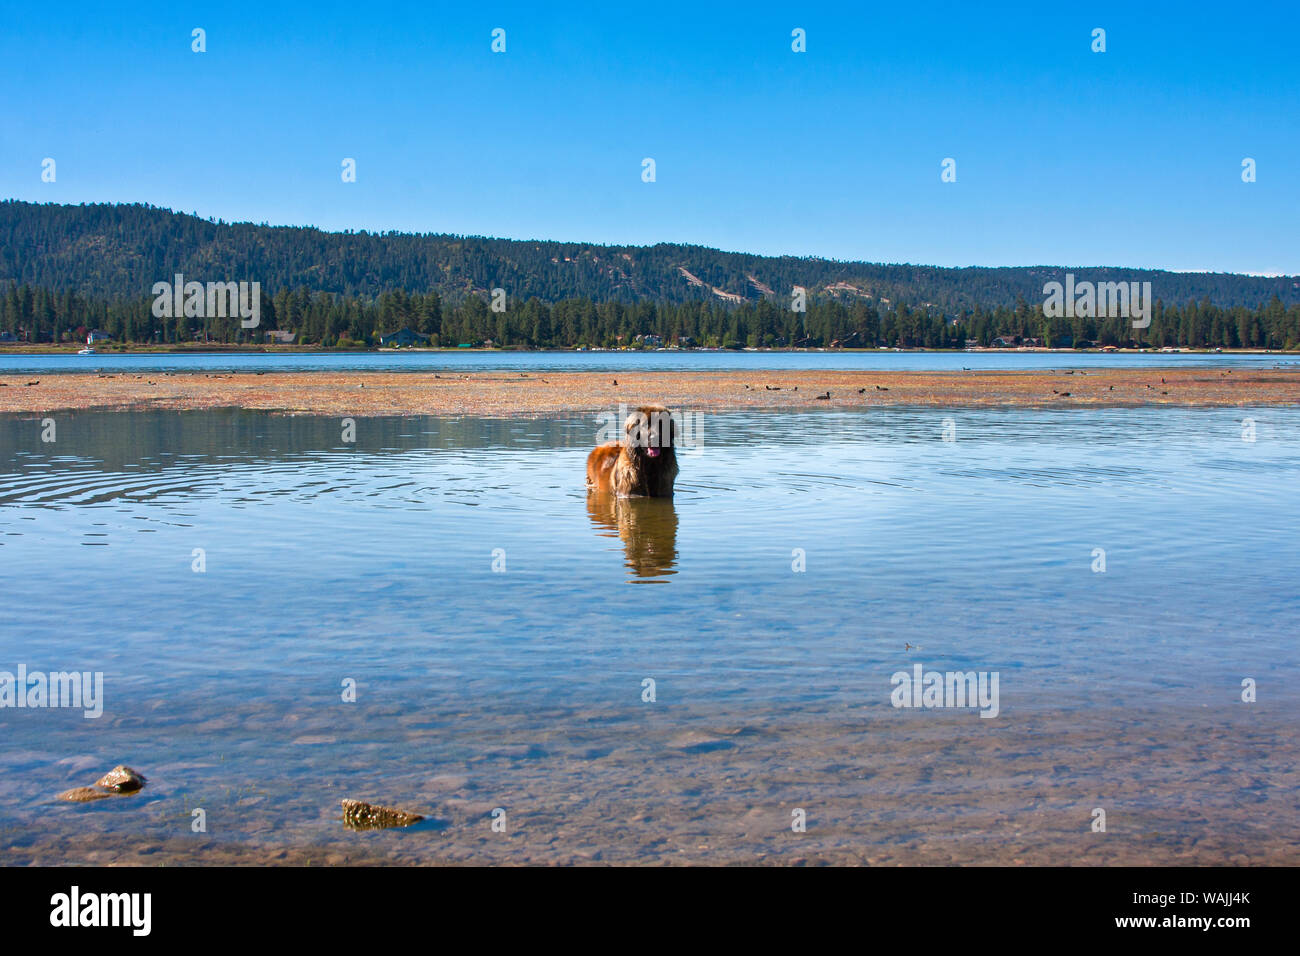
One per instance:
(573, 361)
(499, 628)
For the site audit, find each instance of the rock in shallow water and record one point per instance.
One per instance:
(367, 816)
(121, 779)
(84, 794)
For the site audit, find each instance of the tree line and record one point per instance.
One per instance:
(118, 251)
(327, 319)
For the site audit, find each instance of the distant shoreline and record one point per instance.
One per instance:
(501, 393)
(212, 348)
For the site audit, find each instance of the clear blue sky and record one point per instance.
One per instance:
(1064, 156)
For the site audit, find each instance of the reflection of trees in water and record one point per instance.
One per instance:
(153, 437)
(648, 527)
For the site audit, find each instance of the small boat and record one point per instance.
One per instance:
(88, 351)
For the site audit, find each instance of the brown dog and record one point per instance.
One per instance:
(644, 463)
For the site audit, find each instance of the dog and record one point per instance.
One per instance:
(644, 464)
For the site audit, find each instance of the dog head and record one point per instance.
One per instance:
(650, 432)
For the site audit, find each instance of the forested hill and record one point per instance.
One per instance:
(119, 251)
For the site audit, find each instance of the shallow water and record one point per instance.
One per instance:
(521, 687)
(656, 361)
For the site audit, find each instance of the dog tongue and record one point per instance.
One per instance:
(652, 452)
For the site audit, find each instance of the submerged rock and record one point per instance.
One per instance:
(367, 816)
(118, 781)
(84, 794)
(121, 779)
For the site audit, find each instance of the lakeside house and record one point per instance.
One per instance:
(96, 335)
(281, 338)
(404, 338)
(1005, 342)
(8, 337)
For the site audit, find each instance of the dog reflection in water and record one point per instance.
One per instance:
(648, 527)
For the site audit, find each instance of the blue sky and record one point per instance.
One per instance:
(1130, 157)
